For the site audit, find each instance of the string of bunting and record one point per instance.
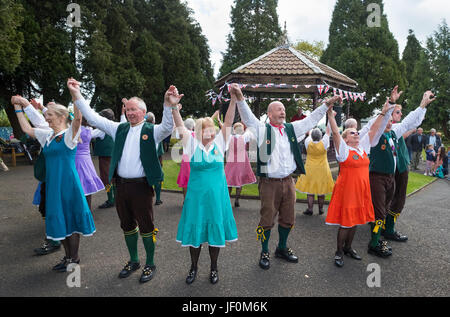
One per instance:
(322, 90)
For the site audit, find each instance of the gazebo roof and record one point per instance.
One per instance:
(286, 65)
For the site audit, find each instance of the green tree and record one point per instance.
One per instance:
(11, 39)
(366, 54)
(411, 54)
(314, 49)
(432, 72)
(255, 30)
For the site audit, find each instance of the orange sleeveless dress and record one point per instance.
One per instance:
(351, 202)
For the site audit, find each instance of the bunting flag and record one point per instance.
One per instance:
(322, 89)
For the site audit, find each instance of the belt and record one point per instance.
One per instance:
(121, 180)
(381, 174)
(277, 179)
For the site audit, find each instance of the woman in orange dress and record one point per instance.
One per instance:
(351, 202)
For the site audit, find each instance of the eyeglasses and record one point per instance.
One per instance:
(398, 112)
(354, 133)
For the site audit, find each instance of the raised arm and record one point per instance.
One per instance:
(93, 118)
(378, 127)
(171, 100)
(245, 112)
(229, 119)
(309, 123)
(18, 102)
(184, 133)
(76, 122)
(334, 129)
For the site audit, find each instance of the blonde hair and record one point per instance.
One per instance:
(346, 132)
(238, 128)
(201, 124)
(59, 110)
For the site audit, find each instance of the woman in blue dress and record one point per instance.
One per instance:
(207, 216)
(67, 212)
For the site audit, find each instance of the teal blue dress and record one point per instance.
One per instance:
(67, 211)
(207, 215)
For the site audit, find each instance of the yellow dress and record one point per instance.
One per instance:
(318, 179)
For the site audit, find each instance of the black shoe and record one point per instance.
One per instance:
(380, 250)
(396, 236)
(339, 259)
(129, 268)
(286, 254)
(214, 277)
(106, 204)
(147, 273)
(352, 253)
(308, 212)
(236, 204)
(264, 261)
(158, 202)
(384, 243)
(61, 264)
(47, 248)
(191, 276)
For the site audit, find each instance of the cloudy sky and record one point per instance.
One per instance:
(310, 19)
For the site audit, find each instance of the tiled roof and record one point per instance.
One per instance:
(284, 61)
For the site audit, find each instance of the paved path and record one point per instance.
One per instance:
(419, 267)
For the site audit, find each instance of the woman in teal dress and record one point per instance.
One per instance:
(207, 215)
(67, 212)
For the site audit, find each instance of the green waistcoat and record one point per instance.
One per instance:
(103, 147)
(403, 156)
(269, 144)
(381, 156)
(149, 158)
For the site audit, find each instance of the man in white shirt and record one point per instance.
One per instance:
(275, 169)
(135, 168)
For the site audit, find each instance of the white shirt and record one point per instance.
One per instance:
(192, 143)
(344, 149)
(130, 165)
(281, 163)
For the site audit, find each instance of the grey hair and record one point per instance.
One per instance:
(140, 102)
(151, 117)
(433, 130)
(350, 123)
(316, 134)
(189, 123)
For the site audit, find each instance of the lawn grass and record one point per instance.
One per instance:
(171, 170)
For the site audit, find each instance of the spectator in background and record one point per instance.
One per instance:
(440, 168)
(418, 142)
(431, 157)
(434, 139)
(299, 115)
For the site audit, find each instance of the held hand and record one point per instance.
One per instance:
(395, 95)
(74, 87)
(19, 100)
(172, 97)
(428, 97)
(387, 107)
(124, 102)
(236, 92)
(331, 101)
(37, 105)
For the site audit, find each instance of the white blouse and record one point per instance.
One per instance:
(45, 137)
(192, 143)
(344, 149)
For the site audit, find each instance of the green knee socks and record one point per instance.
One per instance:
(131, 239)
(284, 233)
(376, 232)
(390, 224)
(265, 242)
(149, 246)
(158, 191)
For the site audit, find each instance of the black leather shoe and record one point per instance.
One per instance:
(68, 261)
(264, 261)
(384, 243)
(106, 204)
(61, 264)
(236, 204)
(214, 277)
(191, 276)
(286, 254)
(353, 254)
(339, 259)
(308, 212)
(129, 268)
(158, 202)
(396, 236)
(147, 273)
(47, 248)
(380, 250)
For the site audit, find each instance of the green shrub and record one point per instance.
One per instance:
(4, 122)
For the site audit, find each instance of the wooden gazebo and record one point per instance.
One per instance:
(285, 65)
